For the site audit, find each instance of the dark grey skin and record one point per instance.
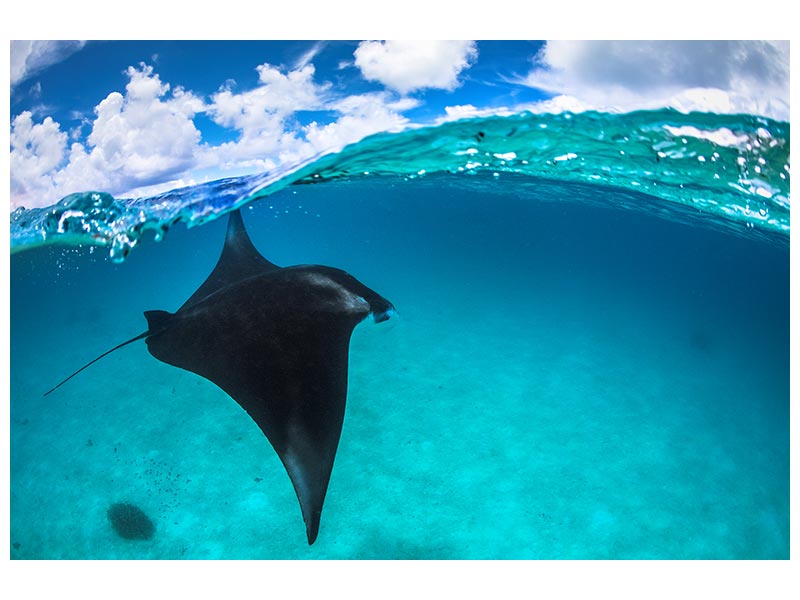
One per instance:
(276, 340)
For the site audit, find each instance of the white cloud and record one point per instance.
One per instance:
(278, 95)
(29, 57)
(361, 115)
(146, 136)
(720, 76)
(406, 66)
(137, 139)
(468, 111)
(270, 136)
(164, 186)
(37, 150)
(261, 114)
(143, 135)
(309, 55)
(555, 105)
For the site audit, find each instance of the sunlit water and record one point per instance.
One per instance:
(579, 370)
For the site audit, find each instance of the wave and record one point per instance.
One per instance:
(729, 169)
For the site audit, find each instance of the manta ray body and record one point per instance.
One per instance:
(276, 340)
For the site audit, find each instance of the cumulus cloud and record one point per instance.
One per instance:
(360, 116)
(261, 116)
(278, 94)
(143, 135)
(37, 150)
(720, 76)
(146, 136)
(137, 139)
(269, 135)
(28, 57)
(406, 66)
(468, 111)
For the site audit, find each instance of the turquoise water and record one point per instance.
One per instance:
(735, 168)
(582, 367)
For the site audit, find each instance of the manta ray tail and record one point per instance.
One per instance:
(138, 337)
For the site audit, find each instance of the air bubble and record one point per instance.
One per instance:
(121, 247)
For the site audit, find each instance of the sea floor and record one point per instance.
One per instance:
(563, 382)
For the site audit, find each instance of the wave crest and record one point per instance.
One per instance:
(733, 167)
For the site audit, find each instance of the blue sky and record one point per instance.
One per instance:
(204, 66)
(139, 117)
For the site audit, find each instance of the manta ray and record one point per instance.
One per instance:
(276, 340)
